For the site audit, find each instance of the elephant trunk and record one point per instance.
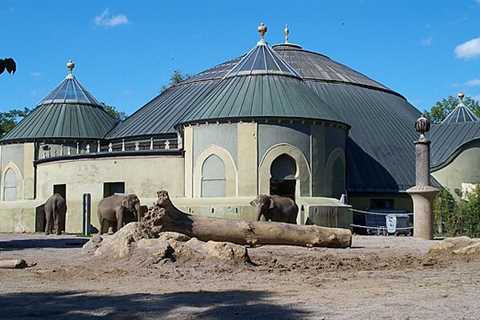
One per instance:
(137, 211)
(259, 212)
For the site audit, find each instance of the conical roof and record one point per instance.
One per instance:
(68, 112)
(461, 113)
(262, 60)
(262, 85)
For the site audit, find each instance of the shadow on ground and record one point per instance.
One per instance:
(230, 304)
(20, 244)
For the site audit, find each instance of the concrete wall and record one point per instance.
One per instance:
(465, 168)
(142, 175)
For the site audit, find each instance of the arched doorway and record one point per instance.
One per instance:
(283, 172)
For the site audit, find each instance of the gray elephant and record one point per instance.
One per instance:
(117, 210)
(55, 211)
(275, 208)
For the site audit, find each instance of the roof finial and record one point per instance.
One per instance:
(461, 95)
(70, 67)
(262, 29)
(286, 32)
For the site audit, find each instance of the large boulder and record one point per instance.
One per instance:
(458, 245)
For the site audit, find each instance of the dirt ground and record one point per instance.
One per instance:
(378, 278)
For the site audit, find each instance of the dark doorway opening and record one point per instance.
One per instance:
(40, 218)
(284, 188)
(283, 171)
(60, 189)
(110, 188)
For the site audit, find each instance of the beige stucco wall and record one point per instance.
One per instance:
(465, 168)
(142, 175)
(18, 158)
(248, 155)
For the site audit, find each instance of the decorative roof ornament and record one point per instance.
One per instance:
(70, 67)
(461, 113)
(461, 95)
(262, 29)
(286, 32)
(422, 125)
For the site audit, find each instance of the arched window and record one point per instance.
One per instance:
(213, 177)
(10, 186)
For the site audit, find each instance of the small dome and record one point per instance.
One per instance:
(68, 112)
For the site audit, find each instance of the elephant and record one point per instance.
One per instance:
(275, 208)
(117, 210)
(55, 211)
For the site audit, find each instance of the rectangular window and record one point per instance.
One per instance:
(110, 188)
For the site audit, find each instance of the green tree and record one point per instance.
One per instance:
(444, 207)
(9, 119)
(8, 64)
(111, 110)
(442, 108)
(468, 216)
(176, 77)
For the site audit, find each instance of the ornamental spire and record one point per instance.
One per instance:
(461, 95)
(262, 29)
(70, 67)
(286, 32)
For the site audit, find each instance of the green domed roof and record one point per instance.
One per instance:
(68, 112)
(261, 85)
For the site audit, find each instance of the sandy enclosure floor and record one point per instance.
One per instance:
(378, 278)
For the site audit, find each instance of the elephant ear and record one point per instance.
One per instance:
(125, 203)
(271, 203)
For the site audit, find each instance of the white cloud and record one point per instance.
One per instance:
(427, 42)
(469, 49)
(473, 82)
(108, 20)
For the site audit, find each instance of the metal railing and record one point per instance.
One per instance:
(377, 227)
(48, 150)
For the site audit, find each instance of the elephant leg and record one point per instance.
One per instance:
(47, 224)
(103, 226)
(56, 219)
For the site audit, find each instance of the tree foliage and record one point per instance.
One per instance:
(442, 108)
(9, 119)
(454, 218)
(176, 77)
(111, 110)
(8, 64)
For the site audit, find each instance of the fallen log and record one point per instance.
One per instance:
(164, 216)
(13, 264)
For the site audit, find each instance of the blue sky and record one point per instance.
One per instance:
(126, 50)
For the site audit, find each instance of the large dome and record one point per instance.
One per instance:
(380, 146)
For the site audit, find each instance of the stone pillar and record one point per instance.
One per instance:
(422, 193)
